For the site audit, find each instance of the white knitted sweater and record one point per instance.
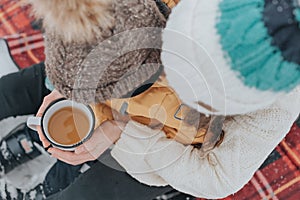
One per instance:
(154, 160)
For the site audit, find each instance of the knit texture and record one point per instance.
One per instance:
(227, 59)
(279, 19)
(249, 48)
(154, 160)
(113, 64)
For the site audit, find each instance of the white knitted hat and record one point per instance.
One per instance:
(221, 58)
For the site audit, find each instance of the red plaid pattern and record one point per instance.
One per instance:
(279, 176)
(277, 179)
(25, 43)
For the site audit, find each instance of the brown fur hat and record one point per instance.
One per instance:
(74, 20)
(85, 46)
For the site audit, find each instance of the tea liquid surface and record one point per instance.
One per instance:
(68, 126)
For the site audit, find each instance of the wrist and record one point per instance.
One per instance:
(114, 130)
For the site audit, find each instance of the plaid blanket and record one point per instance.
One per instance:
(278, 178)
(18, 28)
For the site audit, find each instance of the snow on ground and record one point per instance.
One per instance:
(33, 172)
(29, 174)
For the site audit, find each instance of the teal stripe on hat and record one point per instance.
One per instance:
(247, 46)
(297, 10)
(297, 14)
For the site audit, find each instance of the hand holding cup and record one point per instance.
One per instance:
(62, 123)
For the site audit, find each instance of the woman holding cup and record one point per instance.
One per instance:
(181, 166)
(260, 114)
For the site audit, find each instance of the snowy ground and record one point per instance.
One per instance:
(33, 172)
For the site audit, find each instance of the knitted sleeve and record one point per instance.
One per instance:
(120, 63)
(154, 160)
(136, 39)
(115, 64)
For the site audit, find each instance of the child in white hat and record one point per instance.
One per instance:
(230, 58)
(219, 65)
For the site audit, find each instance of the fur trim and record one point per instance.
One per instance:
(75, 20)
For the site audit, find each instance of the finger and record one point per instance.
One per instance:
(47, 100)
(39, 130)
(70, 157)
(97, 139)
(42, 137)
(43, 107)
(75, 161)
(89, 146)
(81, 149)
